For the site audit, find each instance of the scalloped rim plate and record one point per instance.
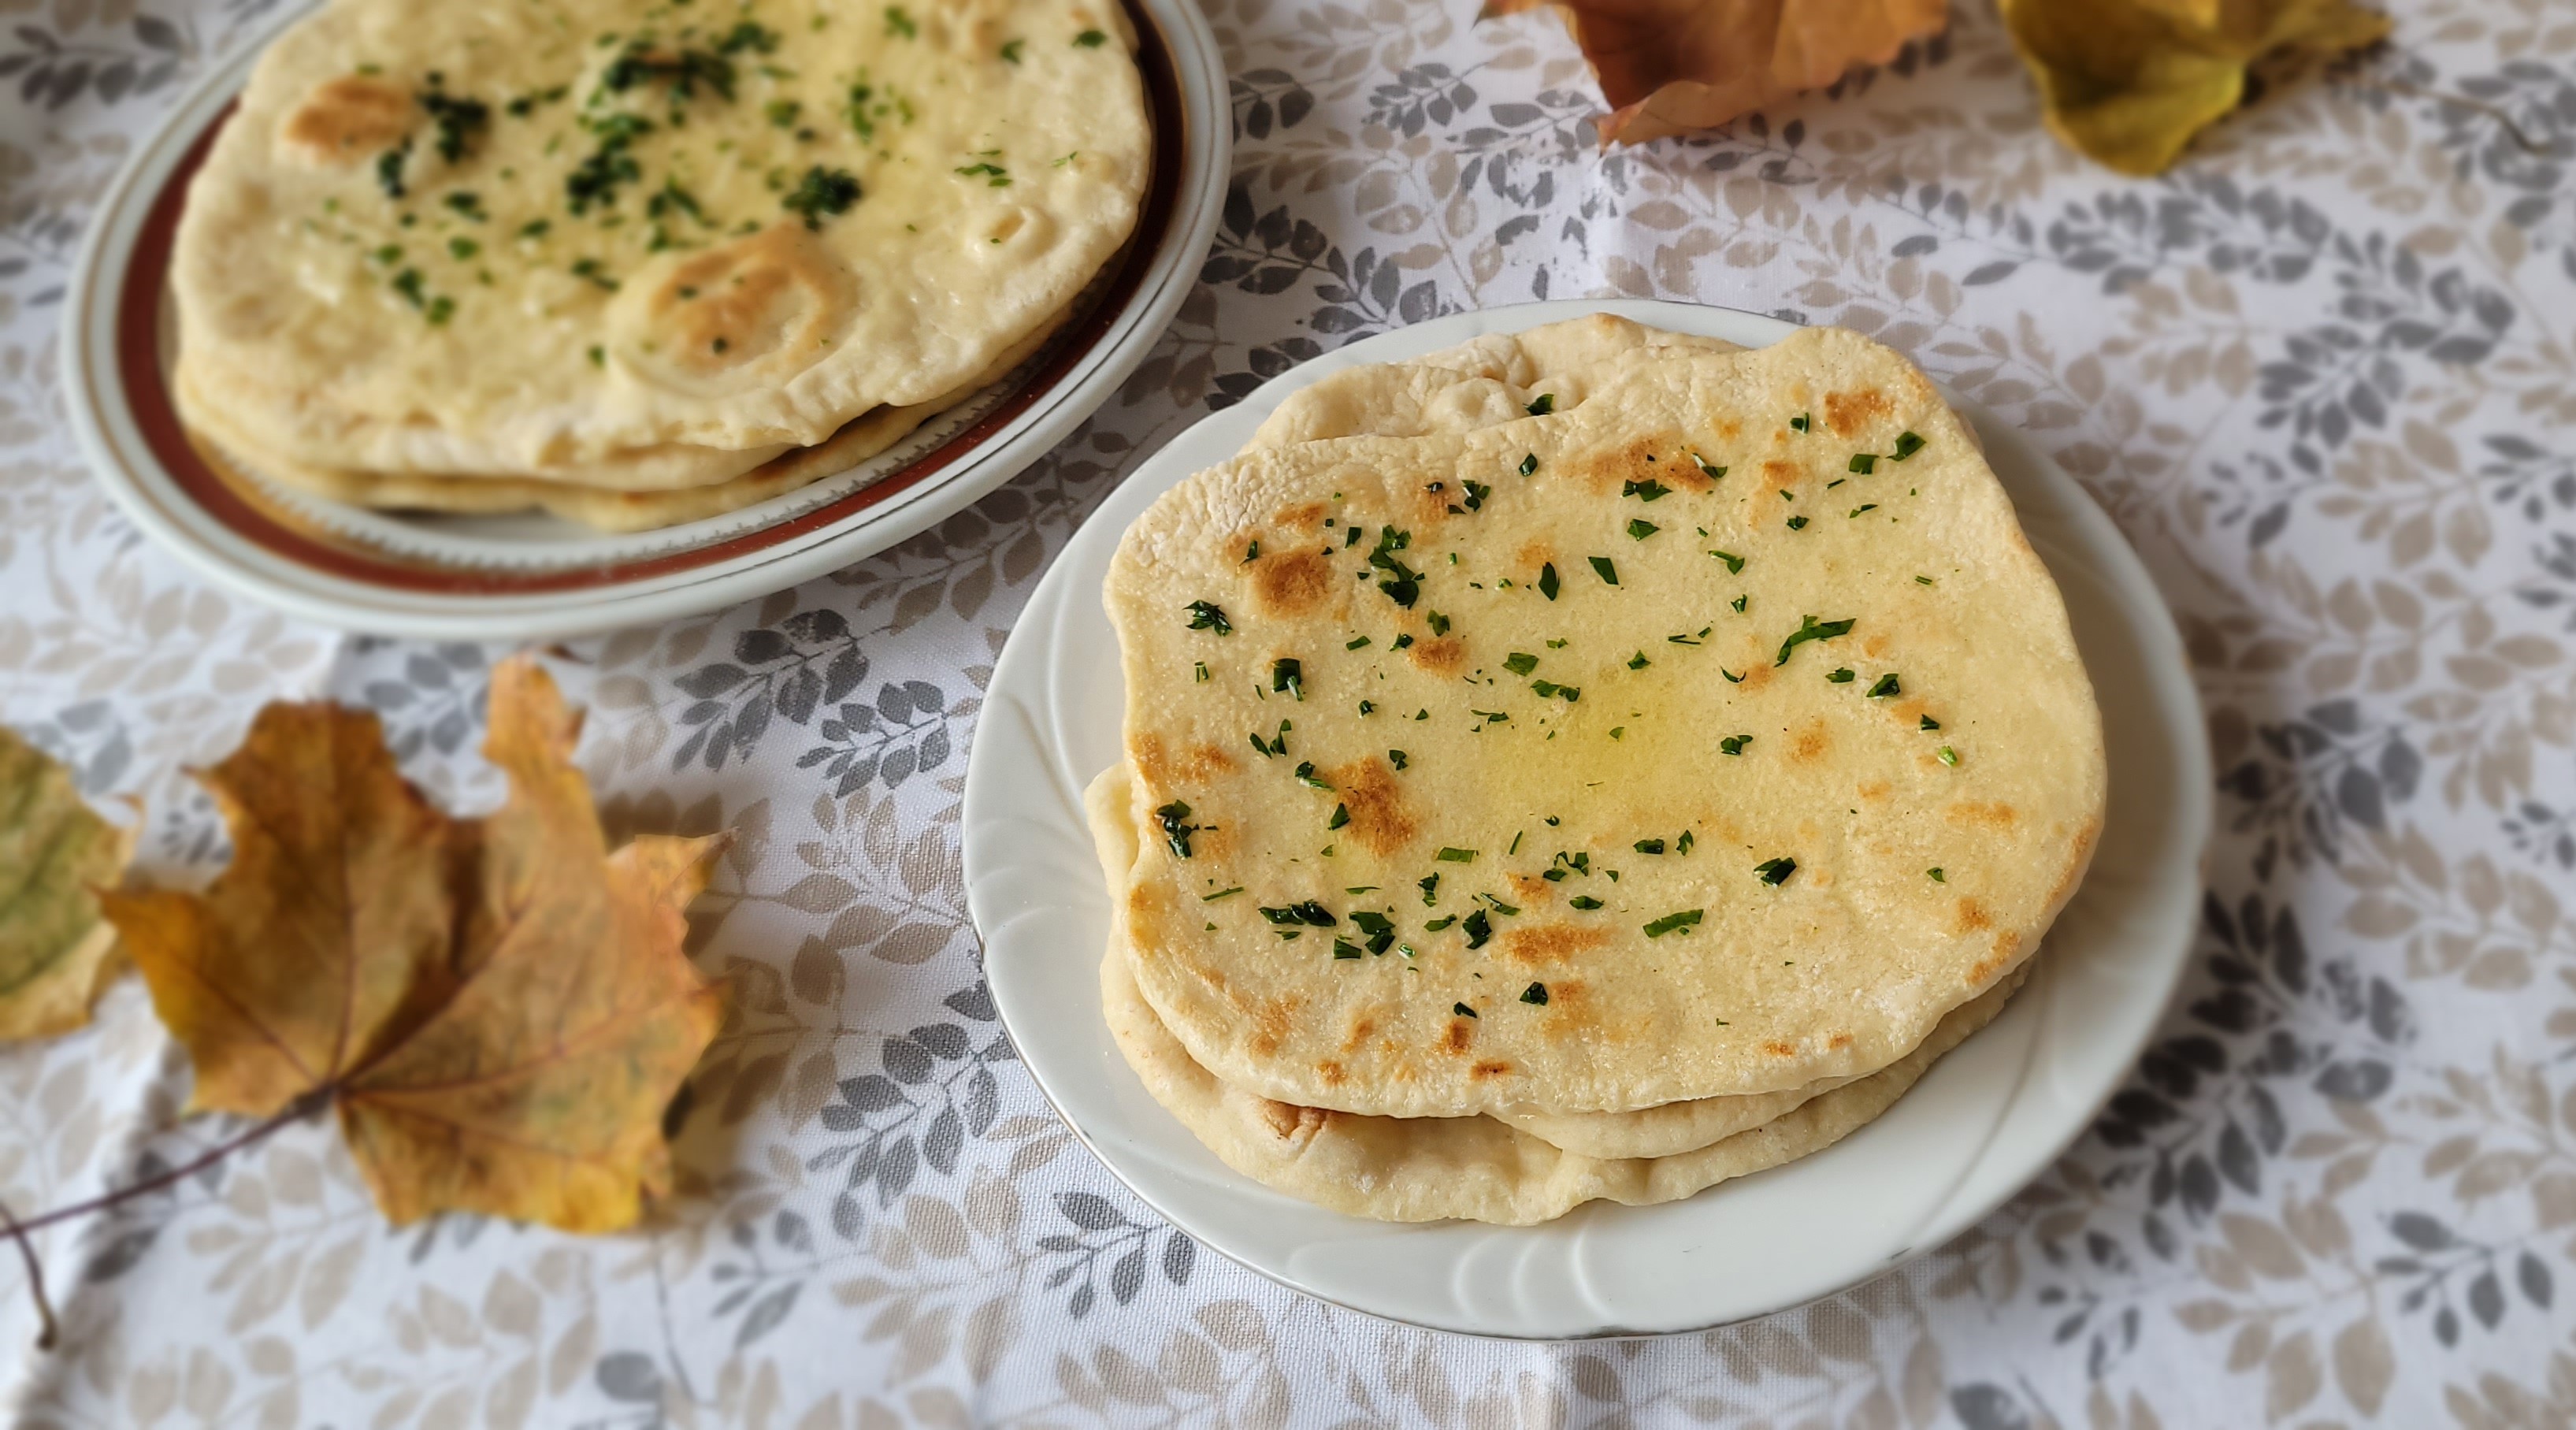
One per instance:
(1987, 1119)
(529, 577)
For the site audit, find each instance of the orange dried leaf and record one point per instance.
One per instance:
(501, 1009)
(1673, 66)
(329, 937)
(54, 852)
(2130, 82)
(538, 1093)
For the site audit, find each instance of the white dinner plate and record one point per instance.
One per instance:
(1987, 1119)
(528, 577)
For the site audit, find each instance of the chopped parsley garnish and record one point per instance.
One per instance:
(1731, 677)
(1208, 616)
(1885, 686)
(1936, 876)
(1448, 855)
(1011, 50)
(1602, 567)
(467, 204)
(1306, 776)
(1929, 724)
(1734, 563)
(1583, 901)
(821, 194)
(1841, 675)
(1864, 506)
(1289, 674)
(592, 271)
(1734, 744)
(682, 73)
(1683, 844)
(1529, 463)
(1922, 580)
(1490, 717)
(1378, 927)
(1549, 690)
(1276, 746)
(1439, 623)
(1091, 39)
(461, 248)
(1811, 629)
(1737, 605)
(1907, 444)
(1649, 846)
(1403, 584)
(1252, 553)
(1947, 756)
(1536, 993)
(1463, 1011)
(1220, 894)
(782, 113)
(1202, 677)
(1639, 661)
(1547, 583)
(1344, 948)
(1476, 494)
(1478, 928)
(1674, 923)
(1520, 662)
(748, 35)
(1686, 638)
(1711, 469)
(534, 228)
(1638, 530)
(1436, 925)
(458, 121)
(389, 169)
(1541, 405)
(1341, 817)
(1398, 758)
(1357, 644)
(1798, 423)
(1177, 829)
(1776, 872)
(1797, 523)
(1647, 490)
(898, 22)
(995, 175)
(1863, 463)
(594, 180)
(1430, 890)
(1306, 911)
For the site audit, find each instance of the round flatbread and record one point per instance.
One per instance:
(522, 237)
(1541, 818)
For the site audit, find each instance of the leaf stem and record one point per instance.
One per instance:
(19, 1231)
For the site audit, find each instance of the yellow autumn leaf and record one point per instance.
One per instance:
(2130, 82)
(55, 950)
(1673, 66)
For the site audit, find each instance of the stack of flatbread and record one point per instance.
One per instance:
(1595, 763)
(637, 262)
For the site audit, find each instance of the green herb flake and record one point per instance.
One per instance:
(1907, 444)
(1841, 675)
(1776, 872)
(1010, 51)
(1252, 553)
(1536, 994)
(1639, 661)
(821, 194)
(1288, 674)
(1438, 623)
(1478, 928)
(1929, 724)
(1797, 523)
(1811, 629)
(1922, 580)
(1463, 1011)
(1398, 758)
(1863, 463)
(1886, 685)
(1208, 616)
(1547, 582)
(1647, 490)
(1731, 677)
(1430, 890)
(1436, 925)
(1639, 529)
(1529, 463)
(1177, 829)
(1680, 922)
(1734, 744)
(1583, 901)
(1368, 707)
(1520, 662)
(1935, 875)
(1602, 567)
(1649, 846)
(1306, 776)
(1737, 605)
(1710, 469)
(1448, 855)
(1947, 756)
(1798, 423)
(1344, 948)
(1091, 39)
(1734, 563)
(1864, 506)
(1202, 677)
(1541, 405)
(1683, 844)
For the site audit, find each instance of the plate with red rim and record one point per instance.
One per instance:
(1985, 1120)
(528, 577)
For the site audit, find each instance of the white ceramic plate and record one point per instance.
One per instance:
(532, 577)
(1986, 1120)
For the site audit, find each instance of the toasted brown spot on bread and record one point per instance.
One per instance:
(1810, 742)
(1877, 646)
(1152, 764)
(1989, 815)
(1984, 971)
(1730, 428)
(1381, 819)
(1778, 476)
(1646, 459)
(349, 118)
(1552, 943)
(1204, 762)
(1445, 655)
(1535, 554)
(1361, 1027)
(1306, 514)
(1271, 1023)
(1973, 916)
(1292, 583)
(1873, 790)
(1757, 673)
(1330, 1073)
(1839, 1041)
(1530, 886)
(1848, 412)
(1781, 1049)
(1290, 1123)
(1456, 1037)
(1482, 1071)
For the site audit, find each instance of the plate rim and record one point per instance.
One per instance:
(114, 448)
(2161, 654)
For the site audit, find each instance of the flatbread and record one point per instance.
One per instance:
(1476, 1168)
(1834, 968)
(771, 267)
(603, 509)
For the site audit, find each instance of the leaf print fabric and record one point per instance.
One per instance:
(2318, 374)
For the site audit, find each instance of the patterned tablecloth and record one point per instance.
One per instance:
(2324, 376)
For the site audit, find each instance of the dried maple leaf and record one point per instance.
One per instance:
(54, 852)
(500, 1009)
(2129, 82)
(1673, 66)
